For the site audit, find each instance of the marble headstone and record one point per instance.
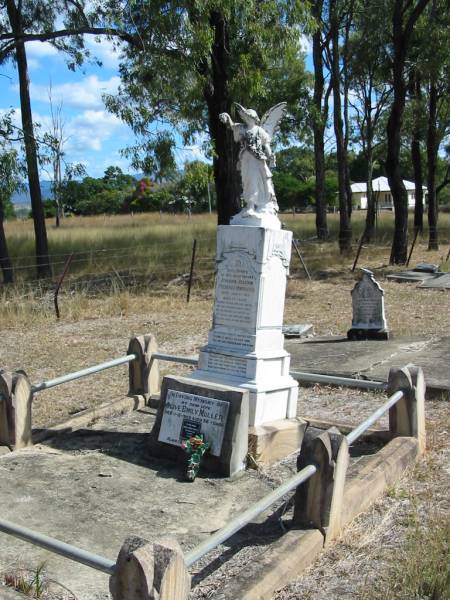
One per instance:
(369, 319)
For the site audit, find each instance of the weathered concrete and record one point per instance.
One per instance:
(93, 488)
(373, 359)
(440, 281)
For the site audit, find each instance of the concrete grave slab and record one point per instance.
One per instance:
(372, 359)
(439, 281)
(94, 487)
(302, 330)
(410, 276)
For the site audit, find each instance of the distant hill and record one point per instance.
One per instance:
(22, 199)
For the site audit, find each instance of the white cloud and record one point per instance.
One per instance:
(38, 50)
(104, 50)
(89, 130)
(86, 93)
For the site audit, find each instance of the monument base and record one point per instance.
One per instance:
(274, 441)
(355, 334)
(270, 400)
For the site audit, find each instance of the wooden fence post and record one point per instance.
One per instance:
(145, 571)
(143, 372)
(407, 416)
(15, 410)
(5, 408)
(318, 501)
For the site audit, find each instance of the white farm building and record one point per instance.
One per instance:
(382, 191)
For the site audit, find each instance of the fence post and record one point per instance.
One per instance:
(143, 372)
(145, 571)
(15, 410)
(318, 500)
(407, 416)
(5, 410)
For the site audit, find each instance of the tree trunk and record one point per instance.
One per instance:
(40, 232)
(5, 261)
(370, 217)
(393, 130)
(432, 150)
(318, 128)
(346, 85)
(416, 157)
(218, 100)
(345, 232)
(401, 39)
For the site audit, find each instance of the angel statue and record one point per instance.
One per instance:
(255, 154)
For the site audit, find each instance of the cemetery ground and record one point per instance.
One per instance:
(399, 549)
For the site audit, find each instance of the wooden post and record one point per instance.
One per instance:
(342, 459)
(191, 272)
(316, 498)
(143, 372)
(305, 268)
(15, 410)
(145, 571)
(59, 284)
(407, 416)
(5, 408)
(416, 233)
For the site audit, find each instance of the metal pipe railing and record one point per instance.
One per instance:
(243, 519)
(45, 385)
(334, 380)
(67, 550)
(187, 360)
(362, 427)
(298, 375)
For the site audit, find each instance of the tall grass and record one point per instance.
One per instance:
(158, 247)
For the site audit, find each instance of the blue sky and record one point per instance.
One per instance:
(95, 136)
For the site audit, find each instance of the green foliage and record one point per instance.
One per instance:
(170, 82)
(11, 171)
(106, 195)
(194, 182)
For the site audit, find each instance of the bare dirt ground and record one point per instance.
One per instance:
(367, 561)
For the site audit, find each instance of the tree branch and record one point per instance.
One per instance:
(52, 35)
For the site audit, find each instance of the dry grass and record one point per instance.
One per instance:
(94, 328)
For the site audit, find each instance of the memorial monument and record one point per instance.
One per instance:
(245, 349)
(245, 344)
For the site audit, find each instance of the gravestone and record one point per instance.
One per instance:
(245, 350)
(218, 412)
(246, 343)
(369, 320)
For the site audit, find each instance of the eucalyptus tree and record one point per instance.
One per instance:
(338, 14)
(403, 15)
(22, 21)
(319, 113)
(197, 59)
(436, 68)
(368, 74)
(11, 172)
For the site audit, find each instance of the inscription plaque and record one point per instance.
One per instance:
(236, 293)
(222, 363)
(184, 412)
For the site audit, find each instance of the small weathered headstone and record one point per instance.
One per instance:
(369, 320)
(426, 268)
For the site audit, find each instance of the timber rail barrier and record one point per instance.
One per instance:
(322, 494)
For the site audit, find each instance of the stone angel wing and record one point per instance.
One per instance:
(272, 117)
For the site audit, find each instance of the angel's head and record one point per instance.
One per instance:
(248, 115)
